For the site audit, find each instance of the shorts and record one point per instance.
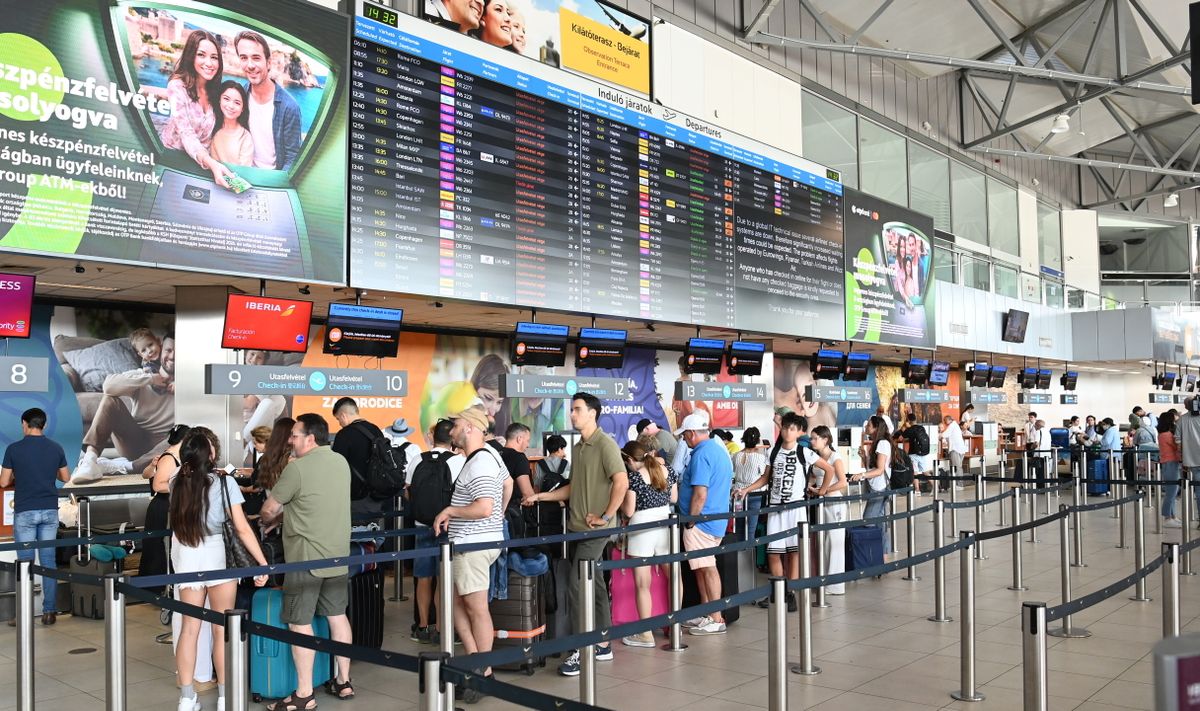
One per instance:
(473, 570)
(305, 595)
(785, 521)
(696, 540)
(209, 555)
(922, 463)
(426, 567)
(656, 541)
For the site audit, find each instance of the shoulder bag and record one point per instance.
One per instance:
(236, 555)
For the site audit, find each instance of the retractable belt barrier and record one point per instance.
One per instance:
(1080, 604)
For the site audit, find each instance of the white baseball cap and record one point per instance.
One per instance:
(694, 421)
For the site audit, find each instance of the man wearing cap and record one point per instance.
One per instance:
(595, 493)
(666, 443)
(475, 515)
(704, 489)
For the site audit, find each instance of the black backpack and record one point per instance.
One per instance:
(384, 478)
(918, 440)
(901, 469)
(551, 479)
(432, 487)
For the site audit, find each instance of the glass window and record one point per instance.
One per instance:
(1054, 293)
(976, 273)
(1049, 237)
(929, 184)
(968, 193)
(1002, 218)
(1006, 281)
(830, 136)
(883, 164)
(943, 264)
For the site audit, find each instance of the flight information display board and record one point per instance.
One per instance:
(474, 180)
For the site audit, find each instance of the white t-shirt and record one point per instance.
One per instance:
(1044, 442)
(879, 483)
(482, 477)
(954, 439)
(262, 130)
(819, 474)
(789, 475)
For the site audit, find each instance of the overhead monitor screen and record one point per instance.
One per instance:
(16, 304)
(828, 364)
(1029, 378)
(745, 358)
(600, 348)
(703, 355)
(264, 324)
(1043, 379)
(1015, 324)
(540, 344)
(979, 375)
(857, 366)
(916, 371)
(996, 379)
(202, 136)
(1069, 380)
(939, 374)
(480, 175)
(362, 330)
(1191, 382)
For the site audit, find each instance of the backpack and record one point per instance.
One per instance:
(432, 487)
(384, 478)
(901, 476)
(550, 479)
(918, 440)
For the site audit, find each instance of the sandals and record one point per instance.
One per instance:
(294, 702)
(336, 688)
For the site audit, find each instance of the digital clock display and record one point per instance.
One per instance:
(381, 14)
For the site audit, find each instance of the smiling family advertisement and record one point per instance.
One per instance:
(206, 136)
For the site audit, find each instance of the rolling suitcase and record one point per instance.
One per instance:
(88, 600)
(272, 673)
(622, 593)
(557, 617)
(1097, 475)
(727, 568)
(521, 619)
(864, 547)
(366, 609)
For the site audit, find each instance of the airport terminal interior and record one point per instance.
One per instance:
(704, 354)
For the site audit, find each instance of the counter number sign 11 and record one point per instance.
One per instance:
(381, 15)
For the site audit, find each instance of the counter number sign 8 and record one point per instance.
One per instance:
(19, 374)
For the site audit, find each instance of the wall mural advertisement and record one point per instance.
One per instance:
(176, 133)
(1176, 336)
(889, 273)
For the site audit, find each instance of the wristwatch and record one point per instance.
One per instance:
(605, 518)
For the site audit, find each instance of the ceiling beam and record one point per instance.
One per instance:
(833, 37)
(992, 25)
(1039, 24)
(1149, 193)
(870, 21)
(1058, 43)
(1076, 160)
(761, 18)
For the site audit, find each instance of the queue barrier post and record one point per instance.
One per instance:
(1187, 485)
(446, 615)
(237, 661)
(565, 552)
(891, 509)
(114, 643)
(806, 666)
(1121, 515)
(822, 561)
(1170, 590)
(25, 685)
(953, 509)
(1156, 495)
(1115, 465)
(1139, 550)
(980, 493)
(430, 684)
(1077, 522)
(1033, 655)
(777, 646)
(966, 614)
(1031, 497)
(939, 567)
(1067, 630)
(1018, 561)
(587, 614)
(910, 532)
(675, 638)
(398, 579)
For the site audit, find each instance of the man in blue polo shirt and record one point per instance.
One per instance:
(33, 464)
(704, 489)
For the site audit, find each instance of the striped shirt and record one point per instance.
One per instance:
(482, 477)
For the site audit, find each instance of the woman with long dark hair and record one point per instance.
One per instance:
(833, 486)
(193, 93)
(276, 454)
(1170, 460)
(231, 141)
(879, 460)
(748, 465)
(653, 487)
(154, 554)
(198, 510)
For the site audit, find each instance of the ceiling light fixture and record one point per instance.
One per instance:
(1172, 200)
(86, 287)
(1062, 124)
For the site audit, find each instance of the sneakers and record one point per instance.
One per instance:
(220, 703)
(764, 603)
(570, 667)
(645, 639)
(116, 465)
(424, 635)
(88, 471)
(192, 704)
(1172, 523)
(710, 626)
(695, 622)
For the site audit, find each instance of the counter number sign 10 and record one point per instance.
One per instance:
(381, 15)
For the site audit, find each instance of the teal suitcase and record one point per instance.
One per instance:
(272, 673)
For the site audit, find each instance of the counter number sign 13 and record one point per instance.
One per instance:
(381, 15)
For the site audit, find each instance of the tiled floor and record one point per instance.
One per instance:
(874, 645)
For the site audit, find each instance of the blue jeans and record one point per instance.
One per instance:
(41, 525)
(754, 502)
(876, 507)
(1170, 472)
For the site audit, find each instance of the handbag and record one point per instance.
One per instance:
(236, 555)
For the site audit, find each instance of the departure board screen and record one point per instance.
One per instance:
(475, 180)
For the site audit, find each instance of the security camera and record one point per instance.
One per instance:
(305, 290)
(79, 268)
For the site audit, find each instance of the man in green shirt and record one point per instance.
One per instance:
(594, 493)
(313, 498)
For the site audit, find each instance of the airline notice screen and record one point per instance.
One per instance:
(522, 184)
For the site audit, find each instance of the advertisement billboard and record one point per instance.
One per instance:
(16, 304)
(205, 136)
(889, 273)
(590, 37)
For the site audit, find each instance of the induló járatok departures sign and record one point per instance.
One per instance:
(108, 152)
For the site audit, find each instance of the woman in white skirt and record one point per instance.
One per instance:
(832, 486)
(197, 511)
(653, 487)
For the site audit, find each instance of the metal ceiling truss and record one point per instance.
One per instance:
(1113, 18)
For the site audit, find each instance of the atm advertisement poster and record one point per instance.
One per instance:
(889, 273)
(589, 37)
(177, 133)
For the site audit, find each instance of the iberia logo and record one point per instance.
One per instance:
(291, 309)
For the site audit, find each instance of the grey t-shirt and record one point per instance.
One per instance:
(1189, 440)
(216, 502)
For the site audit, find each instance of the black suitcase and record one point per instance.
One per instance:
(727, 568)
(558, 621)
(366, 608)
(87, 600)
(272, 550)
(521, 619)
